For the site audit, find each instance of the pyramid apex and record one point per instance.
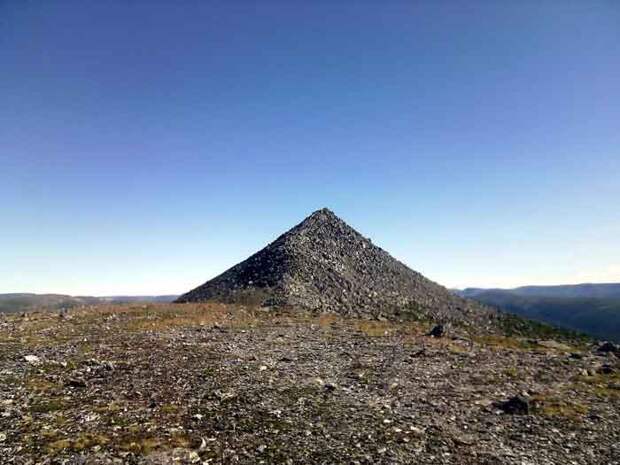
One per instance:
(324, 210)
(324, 216)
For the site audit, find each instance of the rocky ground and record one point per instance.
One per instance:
(210, 384)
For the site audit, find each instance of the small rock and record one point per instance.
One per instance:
(437, 331)
(76, 382)
(465, 439)
(607, 347)
(32, 359)
(551, 344)
(517, 405)
(606, 370)
(483, 402)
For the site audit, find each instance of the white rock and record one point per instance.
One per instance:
(416, 430)
(32, 359)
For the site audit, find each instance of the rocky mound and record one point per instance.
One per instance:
(325, 265)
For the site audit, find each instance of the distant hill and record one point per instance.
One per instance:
(21, 302)
(138, 298)
(586, 291)
(591, 308)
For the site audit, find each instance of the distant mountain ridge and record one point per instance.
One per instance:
(21, 302)
(585, 290)
(590, 308)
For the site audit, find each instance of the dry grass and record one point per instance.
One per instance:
(606, 386)
(88, 440)
(48, 406)
(59, 445)
(511, 372)
(38, 384)
(144, 444)
(327, 320)
(407, 331)
(81, 443)
(112, 407)
(160, 318)
(92, 324)
(375, 328)
(504, 342)
(558, 406)
(96, 323)
(456, 348)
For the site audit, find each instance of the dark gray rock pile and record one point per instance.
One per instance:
(323, 264)
(517, 405)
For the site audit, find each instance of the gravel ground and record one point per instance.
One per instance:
(208, 383)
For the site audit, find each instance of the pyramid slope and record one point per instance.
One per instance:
(323, 264)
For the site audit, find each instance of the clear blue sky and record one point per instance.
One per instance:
(146, 147)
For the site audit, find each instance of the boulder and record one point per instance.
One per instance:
(517, 405)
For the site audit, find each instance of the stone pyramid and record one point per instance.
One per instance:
(323, 264)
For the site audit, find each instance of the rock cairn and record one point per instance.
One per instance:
(323, 264)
